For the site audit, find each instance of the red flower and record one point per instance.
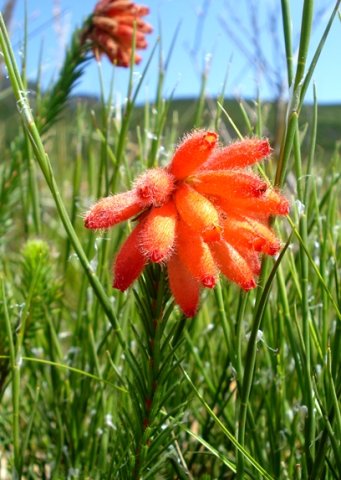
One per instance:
(114, 26)
(205, 213)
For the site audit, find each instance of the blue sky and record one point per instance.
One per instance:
(240, 41)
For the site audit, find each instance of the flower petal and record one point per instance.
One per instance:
(112, 7)
(233, 265)
(154, 187)
(129, 262)
(270, 243)
(271, 203)
(185, 288)
(158, 234)
(239, 154)
(196, 255)
(251, 257)
(114, 27)
(141, 25)
(192, 152)
(248, 233)
(198, 212)
(224, 184)
(116, 7)
(112, 210)
(123, 31)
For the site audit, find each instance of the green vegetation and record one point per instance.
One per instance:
(183, 112)
(98, 384)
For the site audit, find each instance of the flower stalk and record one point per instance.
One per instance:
(153, 326)
(154, 382)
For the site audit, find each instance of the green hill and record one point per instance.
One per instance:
(183, 111)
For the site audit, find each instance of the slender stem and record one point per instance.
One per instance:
(33, 191)
(223, 315)
(286, 146)
(131, 100)
(76, 185)
(286, 18)
(15, 367)
(316, 56)
(103, 169)
(248, 376)
(238, 335)
(294, 107)
(304, 283)
(306, 24)
(45, 165)
(251, 357)
(301, 83)
(198, 118)
(311, 149)
(33, 186)
(154, 333)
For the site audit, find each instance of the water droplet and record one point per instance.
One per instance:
(300, 207)
(151, 136)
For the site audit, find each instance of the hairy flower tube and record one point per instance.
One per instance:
(114, 27)
(205, 213)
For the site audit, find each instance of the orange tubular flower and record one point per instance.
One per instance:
(115, 25)
(203, 214)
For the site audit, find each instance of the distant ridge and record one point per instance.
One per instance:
(183, 111)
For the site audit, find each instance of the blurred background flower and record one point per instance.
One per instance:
(117, 26)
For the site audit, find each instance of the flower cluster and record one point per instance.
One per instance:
(204, 213)
(115, 25)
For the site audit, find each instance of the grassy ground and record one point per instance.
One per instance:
(91, 386)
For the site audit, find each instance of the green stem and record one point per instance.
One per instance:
(308, 390)
(251, 357)
(238, 338)
(15, 367)
(33, 190)
(46, 168)
(131, 100)
(311, 150)
(307, 20)
(311, 69)
(286, 146)
(76, 186)
(33, 187)
(154, 333)
(198, 117)
(286, 18)
(301, 82)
